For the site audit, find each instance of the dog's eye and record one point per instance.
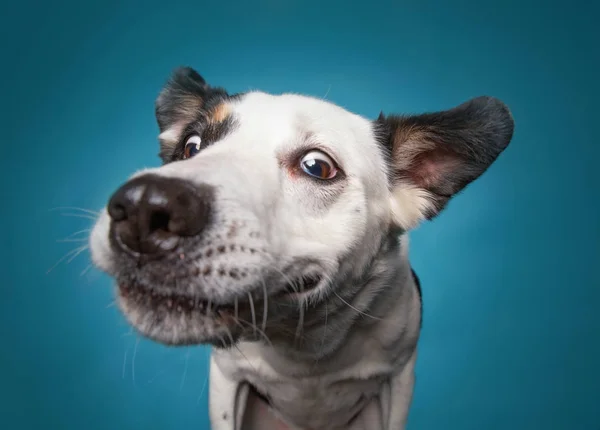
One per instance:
(318, 165)
(192, 146)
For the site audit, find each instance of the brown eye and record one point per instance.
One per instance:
(318, 165)
(192, 146)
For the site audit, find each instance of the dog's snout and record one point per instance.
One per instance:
(151, 213)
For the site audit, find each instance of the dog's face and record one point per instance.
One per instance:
(265, 202)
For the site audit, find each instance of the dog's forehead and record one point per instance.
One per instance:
(288, 105)
(289, 117)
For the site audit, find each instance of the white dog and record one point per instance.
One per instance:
(276, 231)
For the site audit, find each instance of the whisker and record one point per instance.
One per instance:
(229, 335)
(75, 208)
(82, 239)
(124, 364)
(357, 310)
(84, 216)
(128, 333)
(185, 368)
(265, 305)
(135, 348)
(300, 325)
(289, 282)
(253, 313)
(151, 380)
(75, 251)
(87, 269)
(240, 321)
(203, 386)
(324, 328)
(83, 248)
(85, 230)
(316, 363)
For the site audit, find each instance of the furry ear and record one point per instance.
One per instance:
(183, 99)
(433, 156)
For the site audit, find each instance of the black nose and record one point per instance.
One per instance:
(151, 213)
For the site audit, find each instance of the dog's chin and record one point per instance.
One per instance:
(176, 320)
(182, 320)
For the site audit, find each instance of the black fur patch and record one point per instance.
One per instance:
(185, 94)
(442, 152)
(418, 284)
(209, 132)
(215, 131)
(187, 101)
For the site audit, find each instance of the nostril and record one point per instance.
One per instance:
(159, 220)
(124, 202)
(117, 212)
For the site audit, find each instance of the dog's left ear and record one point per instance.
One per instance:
(433, 156)
(183, 100)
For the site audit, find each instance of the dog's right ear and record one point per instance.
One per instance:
(182, 101)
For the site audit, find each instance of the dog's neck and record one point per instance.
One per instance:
(351, 343)
(357, 308)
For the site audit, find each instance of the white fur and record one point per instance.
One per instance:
(273, 126)
(298, 218)
(171, 135)
(409, 205)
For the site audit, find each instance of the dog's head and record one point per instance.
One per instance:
(263, 201)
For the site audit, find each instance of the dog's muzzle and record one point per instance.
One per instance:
(150, 214)
(187, 273)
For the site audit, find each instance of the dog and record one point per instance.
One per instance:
(276, 232)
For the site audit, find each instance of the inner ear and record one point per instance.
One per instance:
(430, 169)
(433, 156)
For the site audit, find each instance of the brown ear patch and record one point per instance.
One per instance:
(220, 123)
(219, 113)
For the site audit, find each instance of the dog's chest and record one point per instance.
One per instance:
(315, 403)
(327, 399)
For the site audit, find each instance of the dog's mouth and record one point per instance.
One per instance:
(188, 303)
(194, 313)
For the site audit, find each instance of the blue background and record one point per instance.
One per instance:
(510, 273)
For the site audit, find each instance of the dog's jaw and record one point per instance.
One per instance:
(226, 287)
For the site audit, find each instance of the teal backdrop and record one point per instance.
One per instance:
(510, 271)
